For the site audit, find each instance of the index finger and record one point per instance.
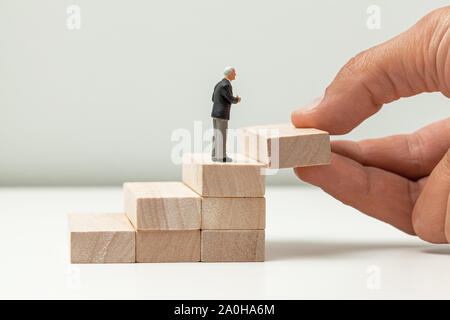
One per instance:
(408, 64)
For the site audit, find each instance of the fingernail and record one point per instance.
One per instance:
(311, 105)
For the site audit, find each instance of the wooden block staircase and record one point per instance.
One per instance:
(216, 214)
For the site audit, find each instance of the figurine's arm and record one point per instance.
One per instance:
(227, 93)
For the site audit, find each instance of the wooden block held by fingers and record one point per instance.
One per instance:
(241, 178)
(233, 213)
(284, 146)
(168, 246)
(101, 238)
(233, 245)
(162, 206)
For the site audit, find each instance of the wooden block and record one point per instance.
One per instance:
(233, 213)
(168, 246)
(162, 206)
(233, 245)
(284, 146)
(241, 178)
(101, 238)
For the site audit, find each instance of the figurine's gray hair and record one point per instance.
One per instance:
(228, 71)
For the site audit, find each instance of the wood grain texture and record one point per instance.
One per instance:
(162, 206)
(101, 238)
(168, 246)
(233, 213)
(284, 146)
(233, 245)
(241, 178)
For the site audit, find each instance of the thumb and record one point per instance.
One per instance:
(413, 62)
(430, 219)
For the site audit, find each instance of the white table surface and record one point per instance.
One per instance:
(316, 248)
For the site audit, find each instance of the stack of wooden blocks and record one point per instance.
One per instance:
(216, 214)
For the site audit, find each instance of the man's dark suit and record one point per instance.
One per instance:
(223, 98)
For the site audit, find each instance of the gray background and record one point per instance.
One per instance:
(98, 106)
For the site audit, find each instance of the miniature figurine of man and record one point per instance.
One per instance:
(222, 99)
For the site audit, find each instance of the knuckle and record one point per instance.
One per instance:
(431, 36)
(353, 67)
(438, 16)
(415, 144)
(361, 76)
(434, 20)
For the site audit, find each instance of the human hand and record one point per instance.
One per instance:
(403, 180)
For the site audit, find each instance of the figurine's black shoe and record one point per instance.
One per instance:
(227, 159)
